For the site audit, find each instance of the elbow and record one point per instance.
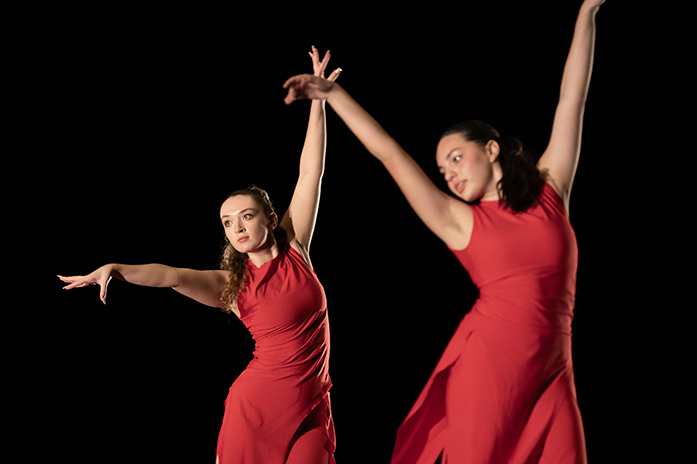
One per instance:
(571, 104)
(574, 93)
(313, 175)
(172, 277)
(393, 157)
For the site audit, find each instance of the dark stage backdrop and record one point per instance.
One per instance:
(136, 122)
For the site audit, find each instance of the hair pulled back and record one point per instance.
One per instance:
(521, 184)
(235, 262)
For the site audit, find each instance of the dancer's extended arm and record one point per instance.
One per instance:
(300, 218)
(560, 159)
(203, 286)
(443, 214)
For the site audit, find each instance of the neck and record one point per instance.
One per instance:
(265, 254)
(492, 192)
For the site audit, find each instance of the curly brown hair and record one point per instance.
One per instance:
(235, 262)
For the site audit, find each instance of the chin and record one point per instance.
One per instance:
(252, 247)
(472, 195)
(464, 196)
(243, 247)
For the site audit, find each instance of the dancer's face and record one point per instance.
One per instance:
(246, 226)
(470, 169)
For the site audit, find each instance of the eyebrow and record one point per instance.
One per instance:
(447, 157)
(235, 214)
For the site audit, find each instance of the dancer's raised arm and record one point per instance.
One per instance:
(560, 159)
(299, 220)
(447, 217)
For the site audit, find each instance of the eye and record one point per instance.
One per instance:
(247, 217)
(457, 159)
(227, 223)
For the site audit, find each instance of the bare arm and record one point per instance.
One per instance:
(301, 216)
(203, 286)
(447, 217)
(560, 159)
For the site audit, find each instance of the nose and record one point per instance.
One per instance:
(236, 227)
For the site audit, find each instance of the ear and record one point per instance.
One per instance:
(273, 221)
(493, 149)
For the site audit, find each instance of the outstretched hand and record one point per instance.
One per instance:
(101, 277)
(312, 86)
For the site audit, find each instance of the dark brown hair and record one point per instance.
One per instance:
(235, 262)
(521, 184)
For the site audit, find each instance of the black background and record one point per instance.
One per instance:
(133, 123)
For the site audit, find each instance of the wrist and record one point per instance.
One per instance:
(590, 8)
(333, 91)
(115, 270)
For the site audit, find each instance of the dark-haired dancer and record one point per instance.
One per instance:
(277, 410)
(503, 391)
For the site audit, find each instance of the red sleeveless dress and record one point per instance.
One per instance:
(284, 307)
(503, 391)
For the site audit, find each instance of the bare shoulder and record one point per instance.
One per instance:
(449, 218)
(562, 189)
(458, 232)
(302, 250)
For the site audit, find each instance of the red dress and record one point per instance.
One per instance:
(284, 307)
(503, 390)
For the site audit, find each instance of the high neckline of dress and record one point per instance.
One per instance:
(266, 263)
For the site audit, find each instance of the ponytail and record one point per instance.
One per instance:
(521, 184)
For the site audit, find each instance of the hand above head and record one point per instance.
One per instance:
(307, 86)
(312, 86)
(319, 66)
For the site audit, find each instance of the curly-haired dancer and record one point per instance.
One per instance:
(278, 409)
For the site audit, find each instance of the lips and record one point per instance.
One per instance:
(242, 239)
(460, 186)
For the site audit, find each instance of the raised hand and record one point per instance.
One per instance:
(312, 86)
(307, 86)
(319, 66)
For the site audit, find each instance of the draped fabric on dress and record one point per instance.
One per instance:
(284, 307)
(503, 390)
